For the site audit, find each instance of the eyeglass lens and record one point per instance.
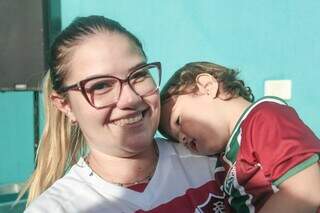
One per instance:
(106, 90)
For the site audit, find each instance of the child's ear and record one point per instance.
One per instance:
(63, 105)
(207, 84)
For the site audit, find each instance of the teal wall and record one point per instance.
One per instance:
(16, 140)
(263, 39)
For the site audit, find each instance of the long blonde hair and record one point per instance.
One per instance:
(62, 142)
(60, 145)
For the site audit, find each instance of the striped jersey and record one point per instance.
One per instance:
(268, 145)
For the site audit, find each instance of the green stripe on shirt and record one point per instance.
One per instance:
(298, 168)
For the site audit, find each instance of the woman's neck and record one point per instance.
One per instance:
(124, 171)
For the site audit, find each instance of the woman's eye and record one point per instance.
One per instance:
(100, 87)
(140, 76)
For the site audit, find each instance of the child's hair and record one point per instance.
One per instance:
(62, 142)
(183, 81)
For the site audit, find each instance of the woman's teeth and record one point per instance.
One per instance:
(127, 121)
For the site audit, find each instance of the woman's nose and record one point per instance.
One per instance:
(128, 98)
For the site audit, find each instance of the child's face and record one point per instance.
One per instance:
(193, 120)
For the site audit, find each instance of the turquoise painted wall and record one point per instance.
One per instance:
(16, 140)
(263, 39)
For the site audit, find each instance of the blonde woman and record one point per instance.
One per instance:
(97, 152)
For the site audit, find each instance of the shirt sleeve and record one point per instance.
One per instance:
(281, 142)
(44, 205)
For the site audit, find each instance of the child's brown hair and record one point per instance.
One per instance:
(183, 81)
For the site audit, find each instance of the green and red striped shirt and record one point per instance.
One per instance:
(268, 145)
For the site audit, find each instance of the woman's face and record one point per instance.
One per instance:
(126, 128)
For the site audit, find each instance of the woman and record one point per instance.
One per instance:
(103, 107)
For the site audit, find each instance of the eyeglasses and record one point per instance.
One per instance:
(104, 91)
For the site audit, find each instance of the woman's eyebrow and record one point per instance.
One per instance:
(109, 75)
(138, 65)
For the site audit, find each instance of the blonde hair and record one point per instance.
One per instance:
(62, 142)
(60, 146)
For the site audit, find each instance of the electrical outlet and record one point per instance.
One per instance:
(279, 88)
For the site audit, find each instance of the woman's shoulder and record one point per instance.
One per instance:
(45, 203)
(59, 194)
(171, 148)
(176, 155)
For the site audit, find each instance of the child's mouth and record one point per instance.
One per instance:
(192, 146)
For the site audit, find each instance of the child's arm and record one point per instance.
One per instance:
(299, 193)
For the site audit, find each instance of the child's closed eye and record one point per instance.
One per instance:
(178, 121)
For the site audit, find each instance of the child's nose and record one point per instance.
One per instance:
(184, 139)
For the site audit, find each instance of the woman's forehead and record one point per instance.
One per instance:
(104, 54)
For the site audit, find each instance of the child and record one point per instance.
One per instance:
(270, 156)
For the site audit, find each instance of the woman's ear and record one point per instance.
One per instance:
(207, 84)
(62, 104)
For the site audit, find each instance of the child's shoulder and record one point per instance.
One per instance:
(268, 112)
(270, 107)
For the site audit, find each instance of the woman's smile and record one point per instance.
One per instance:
(128, 120)
(131, 120)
